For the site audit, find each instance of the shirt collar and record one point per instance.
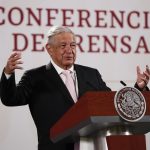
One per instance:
(60, 70)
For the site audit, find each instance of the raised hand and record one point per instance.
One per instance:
(143, 78)
(13, 63)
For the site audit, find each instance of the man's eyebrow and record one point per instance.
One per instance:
(67, 42)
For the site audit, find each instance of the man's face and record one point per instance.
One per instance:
(63, 51)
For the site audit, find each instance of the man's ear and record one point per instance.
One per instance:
(49, 49)
(47, 46)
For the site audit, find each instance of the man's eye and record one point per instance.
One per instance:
(63, 45)
(73, 45)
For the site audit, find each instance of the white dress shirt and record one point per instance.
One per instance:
(73, 74)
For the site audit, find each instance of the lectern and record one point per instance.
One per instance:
(94, 116)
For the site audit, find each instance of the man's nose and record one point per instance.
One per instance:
(69, 49)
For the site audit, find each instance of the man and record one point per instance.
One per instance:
(44, 89)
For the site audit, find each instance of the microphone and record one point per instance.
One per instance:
(123, 83)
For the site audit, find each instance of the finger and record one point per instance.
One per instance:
(143, 78)
(16, 63)
(19, 62)
(145, 81)
(14, 54)
(138, 70)
(16, 57)
(16, 67)
(147, 69)
(147, 76)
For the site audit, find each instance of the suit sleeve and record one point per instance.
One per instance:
(12, 94)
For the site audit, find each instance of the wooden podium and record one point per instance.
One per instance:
(94, 116)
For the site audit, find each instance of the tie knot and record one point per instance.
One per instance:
(66, 72)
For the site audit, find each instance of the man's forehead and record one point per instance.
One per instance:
(64, 34)
(62, 37)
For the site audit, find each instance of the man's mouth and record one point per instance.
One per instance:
(69, 57)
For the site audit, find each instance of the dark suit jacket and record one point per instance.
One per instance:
(48, 98)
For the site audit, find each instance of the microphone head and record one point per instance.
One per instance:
(123, 83)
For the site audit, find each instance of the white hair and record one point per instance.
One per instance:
(55, 30)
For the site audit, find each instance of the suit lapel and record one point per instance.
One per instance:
(81, 80)
(53, 77)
